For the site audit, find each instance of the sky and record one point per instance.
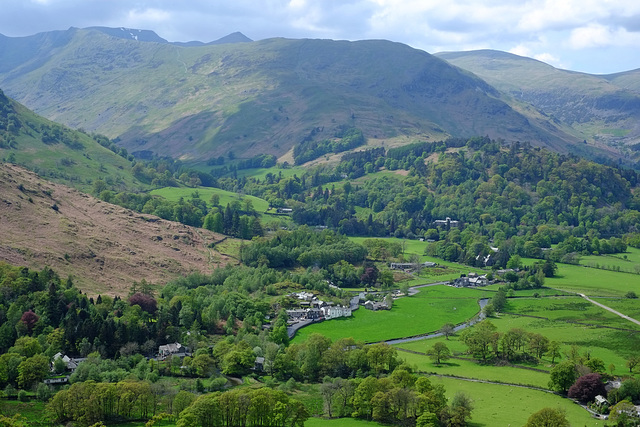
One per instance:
(593, 36)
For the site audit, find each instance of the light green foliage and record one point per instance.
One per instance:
(562, 376)
(32, 370)
(548, 417)
(439, 352)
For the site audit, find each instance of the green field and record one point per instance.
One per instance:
(423, 313)
(628, 262)
(627, 306)
(468, 368)
(339, 422)
(568, 309)
(502, 406)
(593, 282)
(174, 194)
(260, 173)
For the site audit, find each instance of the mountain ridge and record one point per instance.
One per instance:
(600, 109)
(196, 103)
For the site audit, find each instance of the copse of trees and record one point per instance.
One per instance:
(311, 148)
(302, 247)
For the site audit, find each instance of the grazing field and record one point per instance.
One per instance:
(626, 262)
(175, 193)
(627, 306)
(339, 422)
(593, 282)
(467, 367)
(501, 406)
(568, 309)
(261, 173)
(422, 313)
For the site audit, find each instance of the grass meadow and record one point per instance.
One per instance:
(502, 406)
(422, 313)
(629, 307)
(175, 193)
(593, 282)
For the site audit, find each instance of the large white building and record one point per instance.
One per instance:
(332, 312)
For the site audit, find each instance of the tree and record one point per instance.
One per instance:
(459, 410)
(563, 375)
(587, 387)
(29, 319)
(447, 330)
(33, 370)
(553, 350)
(481, 339)
(439, 352)
(632, 362)
(548, 417)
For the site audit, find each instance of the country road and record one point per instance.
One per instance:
(617, 313)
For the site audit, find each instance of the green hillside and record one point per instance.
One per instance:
(603, 110)
(58, 153)
(197, 103)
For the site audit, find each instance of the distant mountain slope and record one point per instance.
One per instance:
(200, 102)
(600, 109)
(626, 80)
(104, 247)
(59, 153)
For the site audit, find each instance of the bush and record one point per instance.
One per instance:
(22, 396)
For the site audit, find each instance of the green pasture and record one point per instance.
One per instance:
(501, 406)
(627, 306)
(422, 313)
(261, 173)
(33, 411)
(467, 367)
(339, 422)
(592, 281)
(542, 292)
(568, 309)
(174, 194)
(628, 262)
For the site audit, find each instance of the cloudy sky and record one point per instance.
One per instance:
(595, 36)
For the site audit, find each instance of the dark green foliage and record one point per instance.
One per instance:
(302, 247)
(310, 148)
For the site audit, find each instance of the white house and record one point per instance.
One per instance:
(333, 312)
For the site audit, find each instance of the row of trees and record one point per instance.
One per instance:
(402, 398)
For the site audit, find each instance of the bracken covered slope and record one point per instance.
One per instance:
(104, 247)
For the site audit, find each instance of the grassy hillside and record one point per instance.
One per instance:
(200, 102)
(59, 153)
(104, 247)
(603, 110)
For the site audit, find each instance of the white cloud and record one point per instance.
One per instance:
(597, 35)
(149, 15)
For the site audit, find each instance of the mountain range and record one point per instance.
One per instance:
(236, 97)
